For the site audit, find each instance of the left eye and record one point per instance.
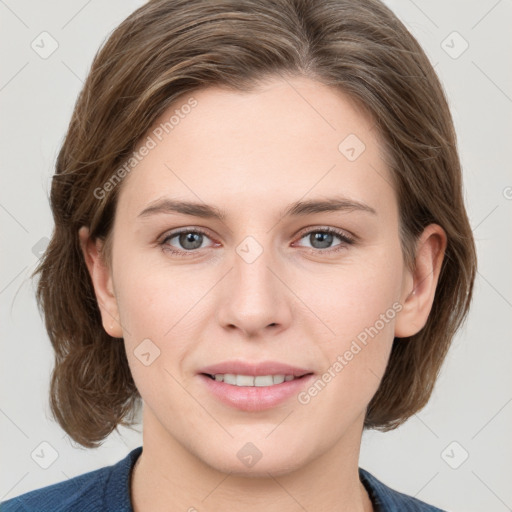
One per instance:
(323, 238)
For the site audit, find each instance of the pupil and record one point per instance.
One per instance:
(190, 238)
(325, 239)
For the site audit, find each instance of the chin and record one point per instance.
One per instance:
(277, 464)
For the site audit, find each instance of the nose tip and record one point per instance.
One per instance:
(252, 298)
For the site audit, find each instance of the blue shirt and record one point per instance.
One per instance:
(108, 490)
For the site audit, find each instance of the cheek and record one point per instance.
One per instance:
(156, 308)
(352, 297)
(358, 304)
(154, 297)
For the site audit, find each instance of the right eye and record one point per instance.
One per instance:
(190, 241)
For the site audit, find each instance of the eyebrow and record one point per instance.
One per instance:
(298, 208)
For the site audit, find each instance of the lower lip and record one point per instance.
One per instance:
(255, 398)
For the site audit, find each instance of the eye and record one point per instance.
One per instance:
(322, 238)
(189, 240)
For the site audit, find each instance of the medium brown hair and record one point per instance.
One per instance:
(166, 50)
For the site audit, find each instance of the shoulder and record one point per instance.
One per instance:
(386, 499)
(106, 489)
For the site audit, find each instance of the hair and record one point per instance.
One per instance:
(167, 49)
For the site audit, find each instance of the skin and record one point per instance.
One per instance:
(252, 154)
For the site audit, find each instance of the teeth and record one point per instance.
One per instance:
(250, 380)
(264, 380)
(278, 379)
(244, 380)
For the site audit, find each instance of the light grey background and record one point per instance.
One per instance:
(472, 402)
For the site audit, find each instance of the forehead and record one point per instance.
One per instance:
(287, 139)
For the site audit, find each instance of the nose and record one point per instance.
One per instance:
(254, 298)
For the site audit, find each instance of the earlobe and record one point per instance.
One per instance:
(102, 281)
(420, 284)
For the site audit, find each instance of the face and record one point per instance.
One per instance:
(274, 278)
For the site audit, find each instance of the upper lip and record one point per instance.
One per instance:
(254, 368)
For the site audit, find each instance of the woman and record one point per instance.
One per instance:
(260, 237)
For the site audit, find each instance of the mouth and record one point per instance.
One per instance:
(253, 380)
(254, 387)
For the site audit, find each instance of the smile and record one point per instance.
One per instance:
(251, 380)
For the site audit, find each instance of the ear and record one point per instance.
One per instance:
(420, 284)
(102, 281)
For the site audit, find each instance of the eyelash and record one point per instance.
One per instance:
(346, 240)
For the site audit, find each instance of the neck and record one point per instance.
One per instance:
(167, 476)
